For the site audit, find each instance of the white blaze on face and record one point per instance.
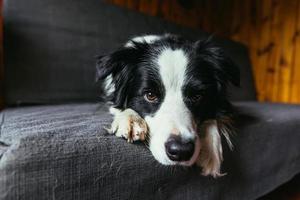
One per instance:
(173, 116)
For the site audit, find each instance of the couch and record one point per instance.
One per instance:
(52, 139)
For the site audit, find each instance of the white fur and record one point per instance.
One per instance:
(128, 124)
(109, 86)
(147, 38)
(211, 154)
(173, 115)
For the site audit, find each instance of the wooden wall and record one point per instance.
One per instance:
(270, 29)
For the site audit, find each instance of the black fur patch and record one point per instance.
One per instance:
(134, 72)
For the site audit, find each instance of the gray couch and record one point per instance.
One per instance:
(52, 141)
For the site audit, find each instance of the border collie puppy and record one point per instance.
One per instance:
(172, 93)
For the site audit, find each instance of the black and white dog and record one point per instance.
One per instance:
(172, 93)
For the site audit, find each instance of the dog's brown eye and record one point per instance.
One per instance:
(151, 97)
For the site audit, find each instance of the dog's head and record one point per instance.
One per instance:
(175, 85)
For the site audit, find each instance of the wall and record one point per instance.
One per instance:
(270, 29)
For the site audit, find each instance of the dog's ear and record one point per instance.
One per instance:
(224, 68)
(115, 70)
(102, 67)
(112, 74)
(113, 63)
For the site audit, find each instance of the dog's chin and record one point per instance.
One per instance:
(164, 160)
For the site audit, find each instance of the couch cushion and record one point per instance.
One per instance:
(62, 152)
(50, 48)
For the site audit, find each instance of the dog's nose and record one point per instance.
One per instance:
(178, 149)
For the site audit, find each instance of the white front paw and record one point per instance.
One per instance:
(128, 124)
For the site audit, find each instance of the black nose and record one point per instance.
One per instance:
(179, 150)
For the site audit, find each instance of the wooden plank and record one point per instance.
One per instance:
(236, 22)
(180, 14)
(150, 7)
(122, 3)
(271, 75)
(165, 9)
(241, 21)
(288, 16)
(191, 15)
(261, 46)
(295, 85)
(133, 4)
(253, 43)
(207, 23)
(198, 13)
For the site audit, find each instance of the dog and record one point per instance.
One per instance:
(171, 92)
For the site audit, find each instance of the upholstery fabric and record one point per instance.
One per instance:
(50, 48)
(63, 152)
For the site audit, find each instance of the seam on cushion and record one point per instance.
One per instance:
(3, 148)
(1, 123)
(3, 145)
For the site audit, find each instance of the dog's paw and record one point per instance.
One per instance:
(210, 166)
(128, 124)
(211, 155)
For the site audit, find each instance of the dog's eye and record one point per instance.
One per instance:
(151, 97)
(195, 98)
